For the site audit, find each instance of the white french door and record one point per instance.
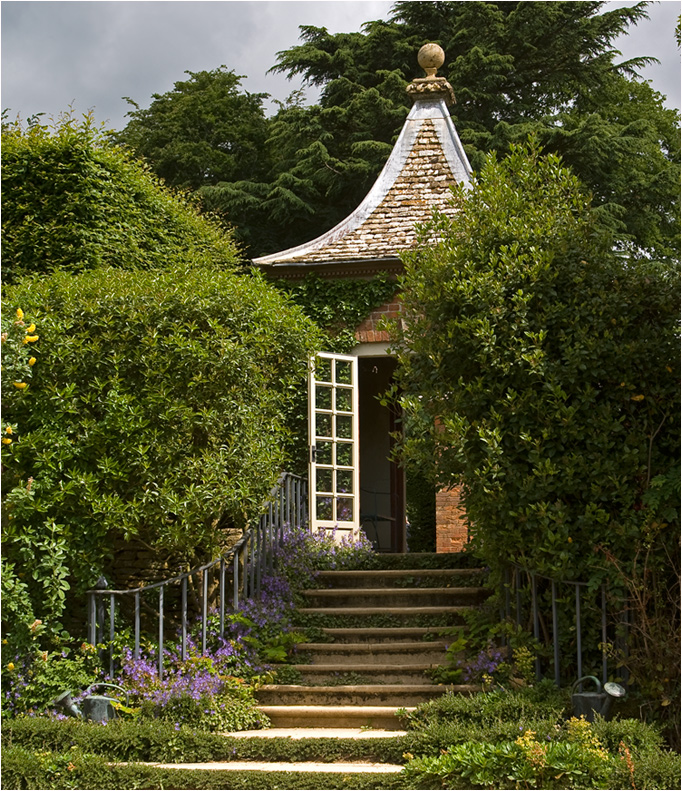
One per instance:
(334, 445)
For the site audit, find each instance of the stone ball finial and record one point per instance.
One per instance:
(431, 57)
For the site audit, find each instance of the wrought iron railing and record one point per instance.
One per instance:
(233, 577)
(522, 590)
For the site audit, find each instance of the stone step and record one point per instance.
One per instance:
(375, 653)
(346, 768)
(334, 716)
(394, 597)
(355, 694)
(400, 612)
(386, 634)
(316, 733)
(404, 673)
(419, 560)
(400, 578)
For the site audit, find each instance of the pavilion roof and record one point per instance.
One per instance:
(426, 161)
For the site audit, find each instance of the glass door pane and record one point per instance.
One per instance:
(334, 451)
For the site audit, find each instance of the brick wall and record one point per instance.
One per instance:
(451, 527)
(369, 330)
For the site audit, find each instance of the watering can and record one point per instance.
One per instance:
(98, 708)
(589, 704)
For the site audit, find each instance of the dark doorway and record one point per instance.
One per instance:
(382, 482)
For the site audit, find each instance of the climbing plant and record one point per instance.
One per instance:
(338, 306)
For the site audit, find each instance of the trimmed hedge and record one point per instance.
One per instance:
(71, 200)
(37, 751)
(158, 741)
(159, 409)
(24, 769)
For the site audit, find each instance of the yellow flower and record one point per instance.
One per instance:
(20, 314)
(31, 338)
(31, 328)
(6, 441)
(31, 361)
(637, 398)
(10, 666)
(20, 385)
(8, 429)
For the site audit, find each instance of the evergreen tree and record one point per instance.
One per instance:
(517, 68)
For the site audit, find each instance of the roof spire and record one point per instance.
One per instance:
(431, 57)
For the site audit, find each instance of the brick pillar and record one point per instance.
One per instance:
(451, 527)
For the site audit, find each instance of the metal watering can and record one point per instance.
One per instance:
(98, 708)
(589, 704)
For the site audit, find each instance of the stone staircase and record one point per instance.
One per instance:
(378, 638)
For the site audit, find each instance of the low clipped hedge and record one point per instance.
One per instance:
(22, 768)
(161, 742)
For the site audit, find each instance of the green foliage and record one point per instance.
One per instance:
(22, 769)
(520, 740)
(519, 707)
(551, 366)
(420, 496)
(208, 135)
(33, 681)
(203, 131)
(30, 744)
(548, 368)
(524, 763)
(146, 740)
(160, 410)
(338, 306)
(516, 68)
(232, 708)
(71, 200)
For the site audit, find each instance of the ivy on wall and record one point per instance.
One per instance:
(338, 306)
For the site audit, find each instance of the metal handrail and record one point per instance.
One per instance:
(254, 553)
(511, 583)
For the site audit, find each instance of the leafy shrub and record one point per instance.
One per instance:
(159, 411)
(544, 701)
(35, 678)
(547, 367)
(71, 200)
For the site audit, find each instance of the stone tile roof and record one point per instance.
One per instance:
(426, 161)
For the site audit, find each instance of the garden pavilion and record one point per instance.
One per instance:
(353, 483)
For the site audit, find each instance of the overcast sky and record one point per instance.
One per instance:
(91, 54)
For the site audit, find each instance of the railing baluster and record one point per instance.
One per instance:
(536, 623)
(204, 610)
(257, 553)
(259, 558)
(183, 626)
(92, 618)
(137, 626)
(252, 566)
(507, 593)
(604, 658)
(222, 597)
(161, 633)
(235, 582)
(112, 633)
(578, 631)
(555, 636)
(269, 523)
